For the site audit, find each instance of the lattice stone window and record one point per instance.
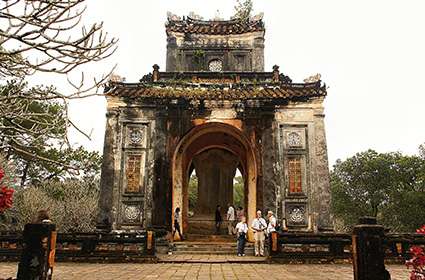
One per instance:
(295, 175)
(133, 177)
(215, 65)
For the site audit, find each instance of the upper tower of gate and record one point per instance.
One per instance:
(217, 45)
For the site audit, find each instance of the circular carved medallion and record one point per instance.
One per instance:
(215, 65)
(131, 213)
(135, 136)
(297, 215)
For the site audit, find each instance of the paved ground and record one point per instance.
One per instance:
(71, 271)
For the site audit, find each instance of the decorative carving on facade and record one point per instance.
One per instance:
(133, 176)
(135, 136)
(313, 79)
(173, 17)
(294, 139)
(132, 213)
(285, 79)
(215, 65)
(146, 78)
(296, 215)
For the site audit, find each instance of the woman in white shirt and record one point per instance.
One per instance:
(241, 231)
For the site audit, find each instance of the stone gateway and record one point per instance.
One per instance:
(214, 110)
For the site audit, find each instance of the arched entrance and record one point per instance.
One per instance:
(212, 140)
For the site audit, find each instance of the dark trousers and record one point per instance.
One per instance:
(217, 227)
(241, 244)
(177, 228)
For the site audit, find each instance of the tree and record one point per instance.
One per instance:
(33, 135)
(193, 193)
(243, 10)
(72, 204)
(42, 37)
(388, 186)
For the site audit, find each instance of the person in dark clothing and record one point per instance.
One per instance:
(218, 219)
(177, 223)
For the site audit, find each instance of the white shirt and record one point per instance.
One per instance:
(271, 227)
(259, 224)
(231, 214)
(241, 227)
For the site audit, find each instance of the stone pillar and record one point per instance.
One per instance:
(368, 252)
(322, 173)
(107, 179)
(215, 170)
(258, 55)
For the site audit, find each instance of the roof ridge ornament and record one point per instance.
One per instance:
(313, 79)
(173, 17)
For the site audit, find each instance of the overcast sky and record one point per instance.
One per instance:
(369, 53)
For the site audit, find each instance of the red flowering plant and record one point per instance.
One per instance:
(6, 193)
(417, 262)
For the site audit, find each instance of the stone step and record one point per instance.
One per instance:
(221, 253)
(209, 248)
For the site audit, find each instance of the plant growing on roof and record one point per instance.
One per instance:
(243, 9)
(198, 57)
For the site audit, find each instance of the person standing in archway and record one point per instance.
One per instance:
(177, 223)
(241, 231)
(231, 218)
(259, 225)
(218, 219)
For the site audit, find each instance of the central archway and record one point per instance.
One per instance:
(205, 137)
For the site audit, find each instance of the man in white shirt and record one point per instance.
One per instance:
(259, 225)
(271, 226)
(231, 218)
(241, 231)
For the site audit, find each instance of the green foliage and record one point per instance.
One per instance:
(388, 186)
(243, 9)
(33, 135)
(72, 205)
(238, 192)
(193, 193)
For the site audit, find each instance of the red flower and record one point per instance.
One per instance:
(417, 262)
(421, 230)
(6, 198)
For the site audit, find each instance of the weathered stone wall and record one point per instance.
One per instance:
(162, 126)
(238, 52)
(311, 208)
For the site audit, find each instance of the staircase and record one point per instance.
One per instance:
(210, 245)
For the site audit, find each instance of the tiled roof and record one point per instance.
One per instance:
(194, 26)
(216, 92)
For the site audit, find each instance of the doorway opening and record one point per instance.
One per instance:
(210, 166)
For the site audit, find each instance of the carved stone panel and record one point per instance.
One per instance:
(132, 213)
(296, 214)
(135, 136)
(134, 171)
(294, 138)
